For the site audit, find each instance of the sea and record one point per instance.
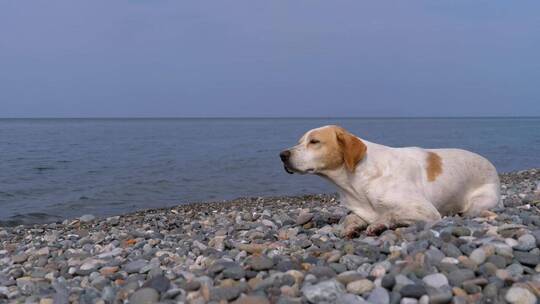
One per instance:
(54, 169)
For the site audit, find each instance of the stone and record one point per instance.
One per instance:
(191, 285)
(436, 280)
(515, 270)
(458, 276)
(352, 261)
(134, 266)
(252, 248)
(526, 242)
(449, 260)
(498, 261)
(259, 263)
(251, 299)
(87, 218)
(297, 275)
(503, 249)
(144, 296)
(323, 272)
(348, 298)
(413, 291)
(218, 242)
(503, 274)
(490, 291)
(478, 256)
(360, 287)
(434, 255)
(527, 258)
(303, 218)
(408, 301)
(440, 295)
(325, 291)
(338, 268)
(27, 285)
(19, 258)
(461, 231)
(520, 295)
(402, 280)
(471, 288)
(234, 271)
(349, 276)
(378, 270)
(42, 251)
(108, 270)
(388, 281)
(89, 266)
(424, 299)
(224, 293)
(379, 295)
(450, 250)
(159, 283)
(536, 234)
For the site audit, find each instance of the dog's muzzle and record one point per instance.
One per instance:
(285, 155)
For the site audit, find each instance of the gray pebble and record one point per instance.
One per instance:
(379, 295)
(325, 291)
(436, 280)
(134, 266)
(413, 291)
(87, 218)
(303, 218)
(144, 296)
(458, 276)
(159, 283)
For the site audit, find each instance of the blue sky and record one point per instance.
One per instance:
(269, 58)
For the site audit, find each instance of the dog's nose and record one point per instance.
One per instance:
(284, 155)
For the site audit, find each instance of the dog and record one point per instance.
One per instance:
(388, 187)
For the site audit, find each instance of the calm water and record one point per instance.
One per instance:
(53, 169)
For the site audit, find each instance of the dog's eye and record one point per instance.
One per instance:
(314, 141)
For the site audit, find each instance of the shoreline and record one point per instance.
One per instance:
(282, 249)
(322, 197)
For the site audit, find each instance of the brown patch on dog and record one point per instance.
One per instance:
(434, 166)
(353, 149)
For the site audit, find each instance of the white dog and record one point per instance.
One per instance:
(388, 187)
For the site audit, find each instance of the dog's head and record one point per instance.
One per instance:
(322, 150)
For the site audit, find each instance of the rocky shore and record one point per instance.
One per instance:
(277, 250)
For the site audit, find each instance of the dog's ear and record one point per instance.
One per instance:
(353, 149)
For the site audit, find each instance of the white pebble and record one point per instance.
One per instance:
(408, 301)
(511, 242)
(450, 260)
(478, 256)
(520, 295)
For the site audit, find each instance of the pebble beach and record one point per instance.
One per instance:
(278, 250)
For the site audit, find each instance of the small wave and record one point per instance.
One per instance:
(43, 168)
(29, 218)
(6, 194)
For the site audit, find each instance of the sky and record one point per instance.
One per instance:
(260, 58)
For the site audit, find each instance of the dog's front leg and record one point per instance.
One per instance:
(404, 214)
(352, 225)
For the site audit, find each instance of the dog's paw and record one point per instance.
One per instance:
(351, 232)
(376, 229)
(353, 225)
